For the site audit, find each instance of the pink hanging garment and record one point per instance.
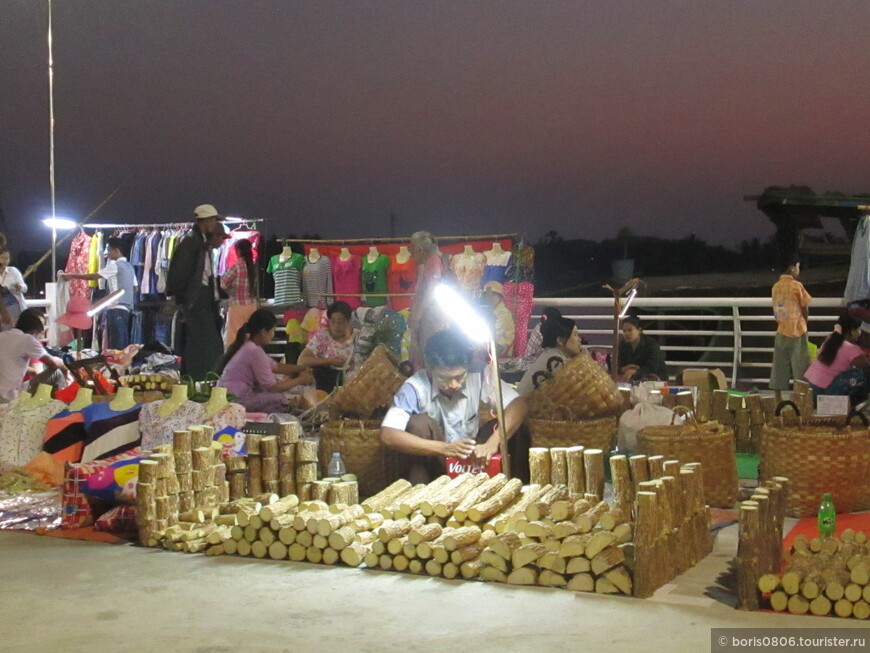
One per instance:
(77, 263)
(520, 298)
(346, 278)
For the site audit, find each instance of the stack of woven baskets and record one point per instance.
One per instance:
(578, 405)
(354, 432)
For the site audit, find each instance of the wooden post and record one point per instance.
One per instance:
(748, 557)
(593, 462)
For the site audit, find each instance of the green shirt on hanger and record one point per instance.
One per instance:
(374, 279)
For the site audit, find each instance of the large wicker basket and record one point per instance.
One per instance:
(597, 433)
(710, 444)
(372, 387)
(581, 386)
(818, 459)
(362, 452)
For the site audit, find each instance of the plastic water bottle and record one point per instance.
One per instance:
(336, 465)
(827, 517)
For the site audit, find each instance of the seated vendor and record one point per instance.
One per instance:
(18, 347)
(561, 342)
(329, 351)
(640, 357)
(248, 372)
(840, 368)
(435, 414)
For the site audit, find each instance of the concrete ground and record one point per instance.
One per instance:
(62, 595)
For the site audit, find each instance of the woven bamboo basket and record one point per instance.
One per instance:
(362, 452)
(818, 459)
(595, 433)
(710, 444)
(581, 386)
(372, 387)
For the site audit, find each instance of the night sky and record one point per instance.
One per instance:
(466, 117)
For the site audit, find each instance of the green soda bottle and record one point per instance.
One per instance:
(827, 517)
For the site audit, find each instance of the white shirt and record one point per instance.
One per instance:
(17, 349)
(457, 415)
(544, 364)
(9, 278)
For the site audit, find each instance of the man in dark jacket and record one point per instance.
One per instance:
(192, 282)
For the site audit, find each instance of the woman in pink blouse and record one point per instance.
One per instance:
(248, 372)
(240, 283)
(330, 350)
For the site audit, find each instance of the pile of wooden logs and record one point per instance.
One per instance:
(759, 550)
(580, 469)
(671, 522)
(823, 577)
(474, 526)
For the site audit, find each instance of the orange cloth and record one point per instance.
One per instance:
(789, 299)
(45, 469)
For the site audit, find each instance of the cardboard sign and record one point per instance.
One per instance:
(832, 405)
(457, 466)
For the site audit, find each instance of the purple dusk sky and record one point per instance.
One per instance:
(462, 117)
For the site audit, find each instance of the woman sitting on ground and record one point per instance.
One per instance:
(639, 355)
(248, 372)
(841, 366)
(561, 342)
(329, 351)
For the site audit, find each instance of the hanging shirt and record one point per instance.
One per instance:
(317, 281)
(468, 269)
(374, 279)
(288, 278)
(346, 278)
(77, 263)
(401, 279)
(496, 266)
(94, 257)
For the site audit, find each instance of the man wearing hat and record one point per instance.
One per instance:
(191, 281)
(493, 296)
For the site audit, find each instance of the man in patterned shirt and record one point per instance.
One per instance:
(790, 349)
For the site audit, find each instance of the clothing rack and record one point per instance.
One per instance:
(168, 225)
(363, 241)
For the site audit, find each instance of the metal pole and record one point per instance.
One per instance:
(53, 253)
(499, 411)
(51, 144)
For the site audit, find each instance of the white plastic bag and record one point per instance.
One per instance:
(643, 414)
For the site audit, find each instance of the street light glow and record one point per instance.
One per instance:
(59, 223)
(465, 317)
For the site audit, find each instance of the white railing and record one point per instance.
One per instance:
(734, 334)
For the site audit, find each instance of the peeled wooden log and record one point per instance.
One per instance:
(279, 507)
(386, 496)
(306, 451)
(505, 544)
(576, 479)
(656, 466)
(201, 459)
(587, 520)
(538, 530)
(344, 492)
(639, 469)
(424, 533)
(269, 469)
(471, 551)
(523, 576)
(607, 558)
(497, 502)
(492, 559)
(447, 503)
(623, 487)
(621, 579)
(540, 508)
(269, 446)
(593, 463)
(598, 542)
(539, 465)
(451, 488)
(558, 466)
(425, 549)
(147, 471)
(527, 554)
(314, 555)
(289, 432)
(553, 561)
(581, 583)
(551, 579)
(413, 501)
(181, 441)
(320, 490)
(306, 472)
(492, 574)
(470, 569)
(483, 492)
(354, 554)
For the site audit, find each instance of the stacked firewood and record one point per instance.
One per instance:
(476, 526)
(759, 549)
(823, 577)
(672, 525)
(176, 478)
(578, 468)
